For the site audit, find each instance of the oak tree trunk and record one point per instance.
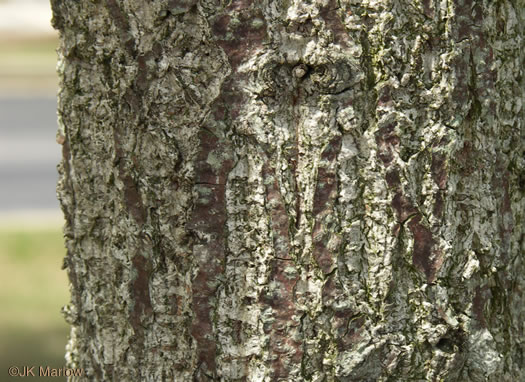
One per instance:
(293, 190)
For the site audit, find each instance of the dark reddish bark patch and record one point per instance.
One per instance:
(237, 331)
(241, 38)
(469, 18)
(424, 257)
(500, 185)
(477, 14)
(208, 215)
(219, 112)
(392, 178)
(205, 171)
(134, 102)
(66, 157)
(140, 291)
(506, 209)
(387, 143)
(464, 159)
(351, 334)
(293, 159)
(284, 347)
(500, 182)
(133, 99)
(180, 5)
(438, 204)
(469, 26)
(478, 304)
(132, 197)
(340, 328)
(325, 199)
(462, 70)
(220, 25)
(141, 310)
(122, 24)
(464, 29)
(66, 153)
(133, 200)
(385, 96)
(427, 9)
(279, 218)
(331, 151)
(228, 105)
(117, 15)
(438, 169)
(142, 73)
(326, 190)
(201, 326)
(403, 207)
(439, 172)
(333, 22)
(208, 221)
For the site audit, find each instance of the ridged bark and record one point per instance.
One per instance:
(293, 190)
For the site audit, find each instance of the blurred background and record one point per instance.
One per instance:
(34, 288)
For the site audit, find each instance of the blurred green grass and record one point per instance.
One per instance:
(36, 55)
(32, 330)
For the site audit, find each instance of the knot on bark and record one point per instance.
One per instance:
(331, 77)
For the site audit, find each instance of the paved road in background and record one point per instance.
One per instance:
(29, 154)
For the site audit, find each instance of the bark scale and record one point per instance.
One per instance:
(293, 190)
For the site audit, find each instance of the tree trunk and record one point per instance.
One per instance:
(293, 190)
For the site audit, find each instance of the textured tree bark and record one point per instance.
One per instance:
(294, 190)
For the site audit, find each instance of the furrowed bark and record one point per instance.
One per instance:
(293, 191)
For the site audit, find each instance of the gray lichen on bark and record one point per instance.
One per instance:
(293, 190)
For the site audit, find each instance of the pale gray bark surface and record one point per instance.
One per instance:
(294, 190)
